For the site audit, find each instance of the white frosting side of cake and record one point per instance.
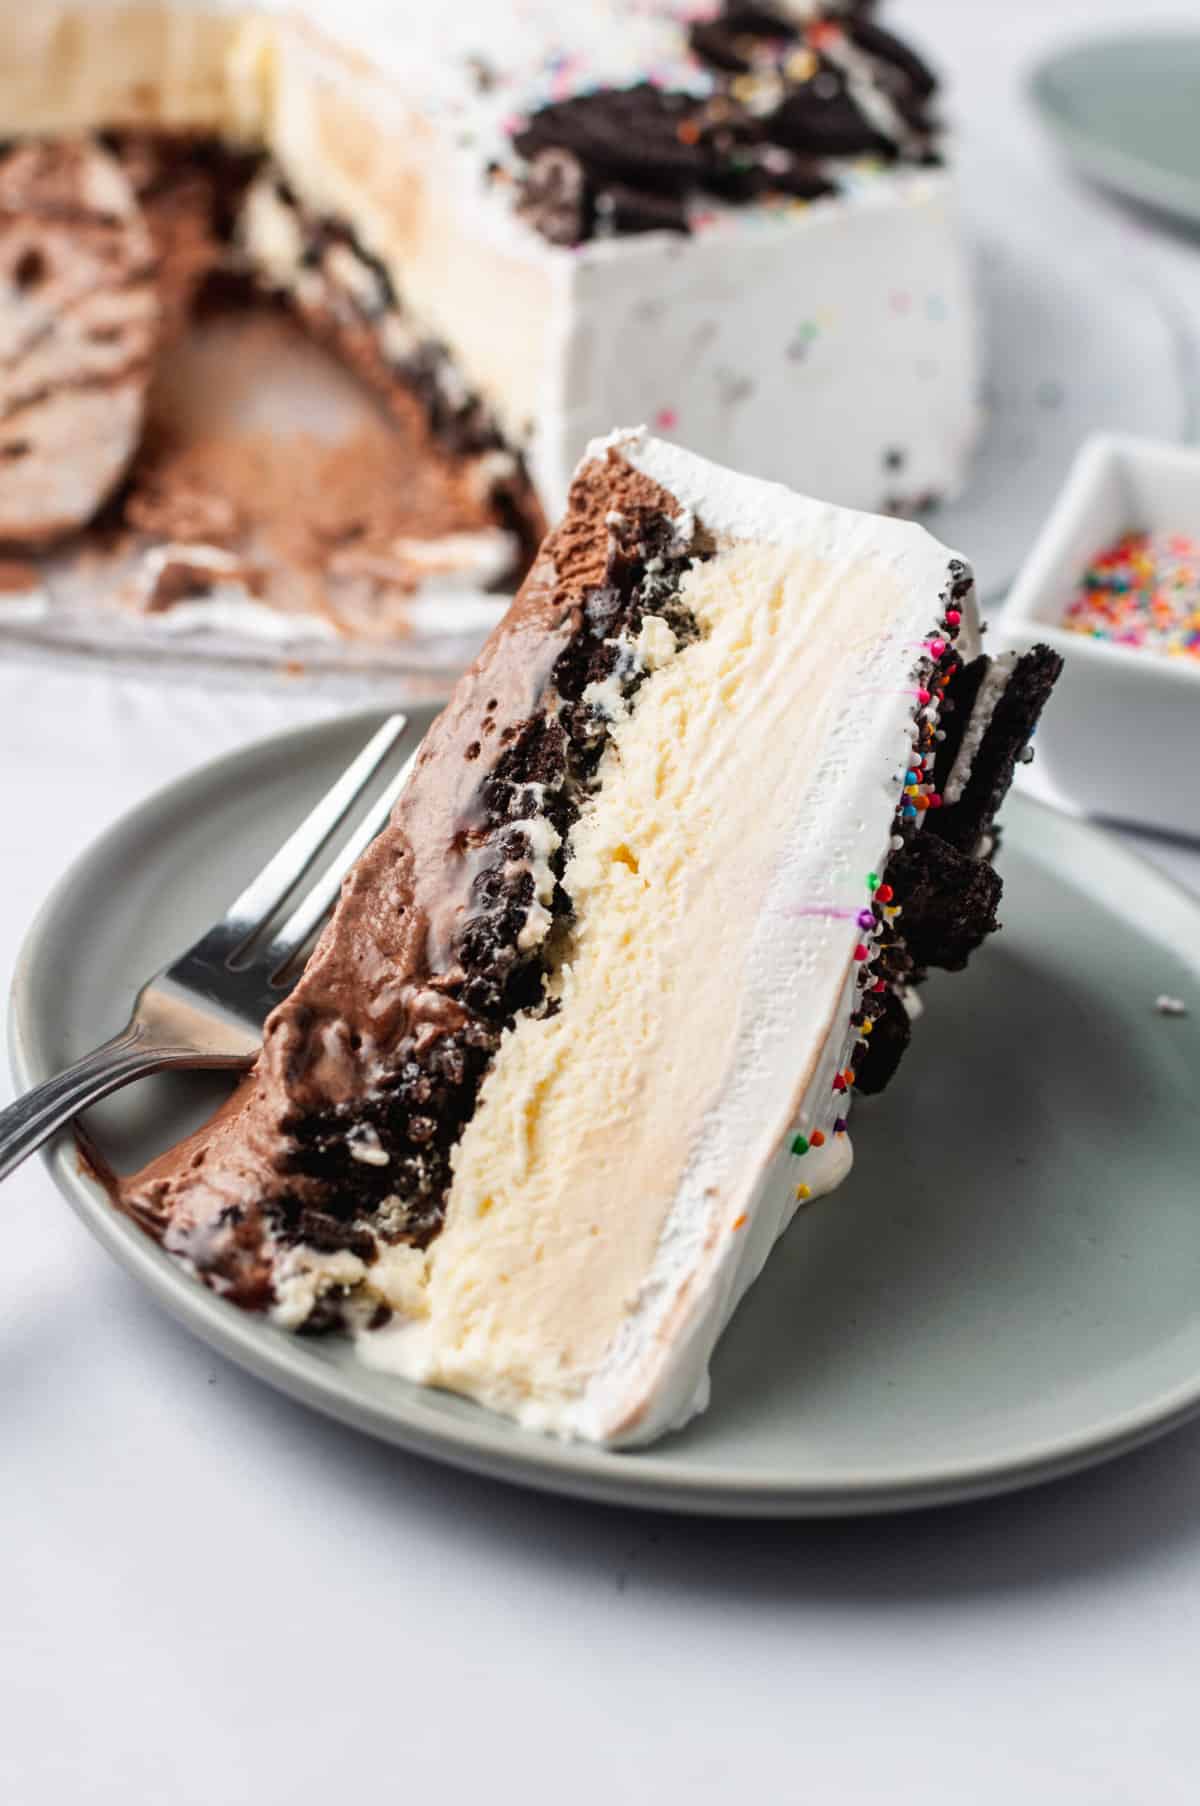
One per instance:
(628, 1166)
(832, 348)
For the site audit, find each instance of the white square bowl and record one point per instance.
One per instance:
(1121, 737)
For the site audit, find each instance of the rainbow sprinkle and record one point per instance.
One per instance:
(1144, 592)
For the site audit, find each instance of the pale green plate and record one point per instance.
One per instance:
(1127, 111)
(1007, 1288)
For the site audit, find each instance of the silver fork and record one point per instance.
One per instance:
(207, 1008)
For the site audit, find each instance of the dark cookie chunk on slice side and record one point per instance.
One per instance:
(878, 1059)
(949, 901)
(1008, 734)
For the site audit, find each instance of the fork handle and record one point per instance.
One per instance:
(33, 1118)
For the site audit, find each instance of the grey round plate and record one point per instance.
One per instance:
(1125, 109)
(1007, 1288)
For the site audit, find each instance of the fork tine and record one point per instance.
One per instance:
(310, 912)
(263, 895)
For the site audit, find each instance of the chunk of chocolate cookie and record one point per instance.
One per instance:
(79, 315)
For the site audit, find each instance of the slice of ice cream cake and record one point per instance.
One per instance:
(584, 1030)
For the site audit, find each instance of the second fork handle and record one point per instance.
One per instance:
(40, 1113)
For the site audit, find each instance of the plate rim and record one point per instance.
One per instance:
(1119, 170)
(489, 1446)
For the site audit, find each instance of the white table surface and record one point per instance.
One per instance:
(209, 1597)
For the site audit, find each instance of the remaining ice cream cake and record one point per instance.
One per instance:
(584, 1029)
(519, 221)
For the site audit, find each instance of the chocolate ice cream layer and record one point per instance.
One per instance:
(341, 1136)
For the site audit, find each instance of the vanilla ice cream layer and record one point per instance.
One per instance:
(627, 1167)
